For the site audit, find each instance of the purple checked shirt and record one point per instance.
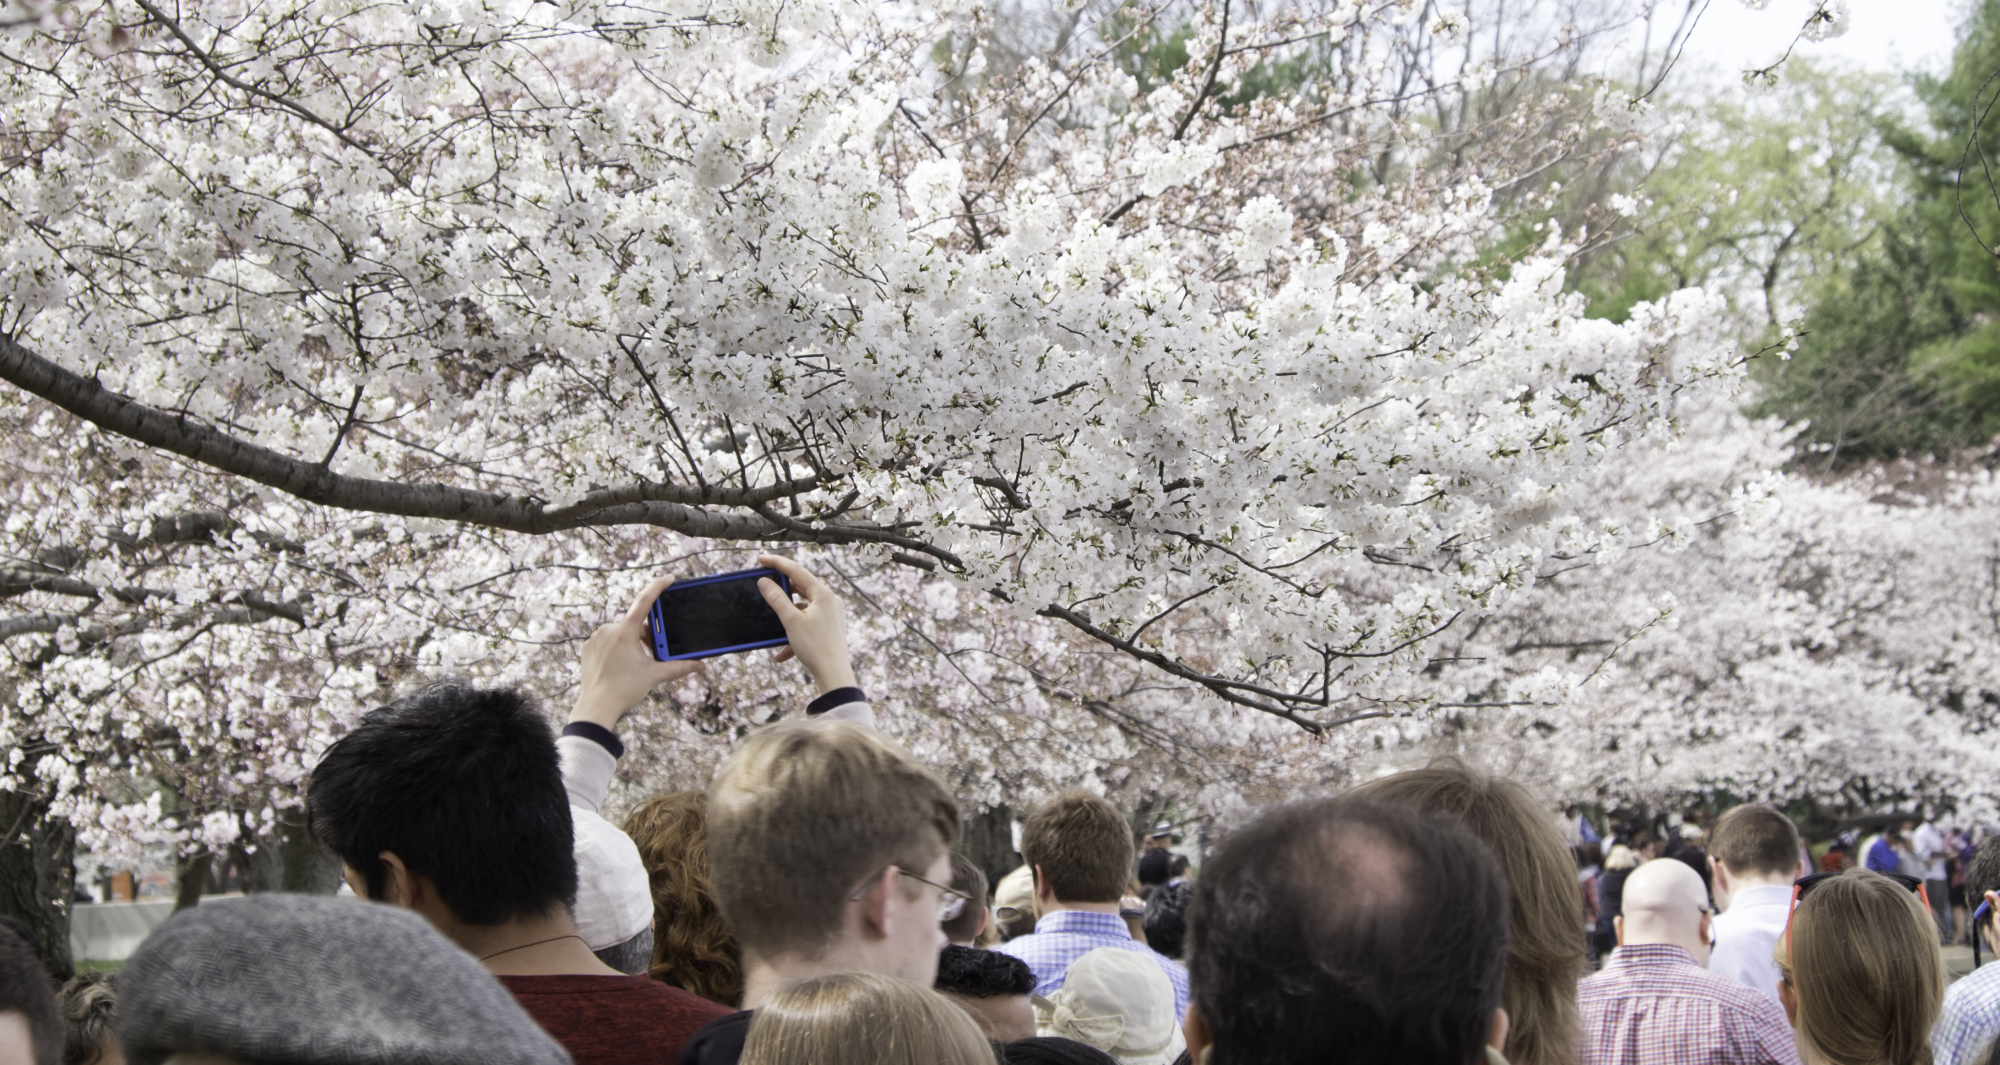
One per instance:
(1652, 1005)
(1060, 938)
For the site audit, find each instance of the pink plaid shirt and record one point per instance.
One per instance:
(1652, 1005)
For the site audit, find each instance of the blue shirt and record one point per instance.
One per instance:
(1883, 858)
(1060, 938)
(1970, 1018)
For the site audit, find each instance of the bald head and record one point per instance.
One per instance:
(1666, 902)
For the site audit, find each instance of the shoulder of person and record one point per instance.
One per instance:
(719, 1042)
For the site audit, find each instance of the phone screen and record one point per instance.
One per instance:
(716, 615)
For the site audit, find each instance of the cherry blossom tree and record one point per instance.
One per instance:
(347, 345)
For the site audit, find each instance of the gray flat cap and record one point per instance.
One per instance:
(310, 980)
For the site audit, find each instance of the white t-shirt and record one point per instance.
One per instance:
(1929, 844)
(1745, 934)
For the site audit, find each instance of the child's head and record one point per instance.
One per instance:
(89, 1006)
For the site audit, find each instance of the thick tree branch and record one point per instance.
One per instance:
(669, 506)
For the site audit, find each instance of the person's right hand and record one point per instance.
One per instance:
(618, 664)
(817, 630)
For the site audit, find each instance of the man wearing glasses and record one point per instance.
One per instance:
(1654, 1000)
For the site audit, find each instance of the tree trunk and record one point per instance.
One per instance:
(289, 861)
(190, 877)
(38, 876)
(988, 839)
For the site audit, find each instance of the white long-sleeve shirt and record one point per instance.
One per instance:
(590, 753)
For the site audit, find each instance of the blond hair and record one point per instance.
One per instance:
(1544, 952)
(692, 946)
(1863, 959)
(802, 814)
(862, 1019)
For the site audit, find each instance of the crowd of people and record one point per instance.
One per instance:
(807, 908)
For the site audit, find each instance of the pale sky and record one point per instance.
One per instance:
(1886, 35)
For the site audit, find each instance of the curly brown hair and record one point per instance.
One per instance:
(693, 948)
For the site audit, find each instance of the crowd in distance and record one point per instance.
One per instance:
(807, 909)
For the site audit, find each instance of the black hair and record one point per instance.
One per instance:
(1166, 918)
(1982, 874)
(1053, 1050)
(1154, 867)
(977, 973)
(1178, 866)
(1343, 929)
(25, 987)
(463, 785)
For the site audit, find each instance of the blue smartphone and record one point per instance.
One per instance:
(716, 615)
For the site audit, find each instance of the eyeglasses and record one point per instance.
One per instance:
(1805, 884)
(949, 905)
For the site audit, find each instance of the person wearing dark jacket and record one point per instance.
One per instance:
(1611, 895)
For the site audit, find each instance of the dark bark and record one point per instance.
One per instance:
(988, 839)
(671, 506)
(191, 879)
(38, 876)
(289, 861)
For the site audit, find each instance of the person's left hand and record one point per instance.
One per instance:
(618, 664)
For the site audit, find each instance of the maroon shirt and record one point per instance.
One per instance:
(614, 1020)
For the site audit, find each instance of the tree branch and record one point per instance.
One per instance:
(669, 506)
(226, 78)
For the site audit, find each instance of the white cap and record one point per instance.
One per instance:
(1014, 896)
(1119, 1001)
(614, 896)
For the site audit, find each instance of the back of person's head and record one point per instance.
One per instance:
(1166, 919)
(463, 785)
(31, 1028)
(1351, 930)
(89, 1005)
(1545, 955)
(1756, 840)
(862, 1019)
(1053, 1050)
(967, 880)
(1621, 858)
(693, 948)
(311, 980)
(1863, 960)
(1155, 867)
(1080, 847)
(1982, 874)
(802, 813)
(992, 987)
(977, 973)
(1664, 902)
(1118, 1001)
(1179, 866)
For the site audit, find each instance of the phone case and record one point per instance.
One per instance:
(654, 622)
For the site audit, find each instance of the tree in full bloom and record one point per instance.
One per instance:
(350, 344)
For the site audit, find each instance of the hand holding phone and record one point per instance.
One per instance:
(817, 629)
(618, 667)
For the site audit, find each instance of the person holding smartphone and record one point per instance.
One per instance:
(620, 669)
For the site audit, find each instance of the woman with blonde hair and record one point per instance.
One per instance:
(692, 945)
(1545, 953)
(862, 1019)
(1859, 970)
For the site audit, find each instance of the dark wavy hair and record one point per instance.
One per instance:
(693, 948)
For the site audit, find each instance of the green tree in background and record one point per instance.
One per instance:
(1760, 194)
(1902, 353)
